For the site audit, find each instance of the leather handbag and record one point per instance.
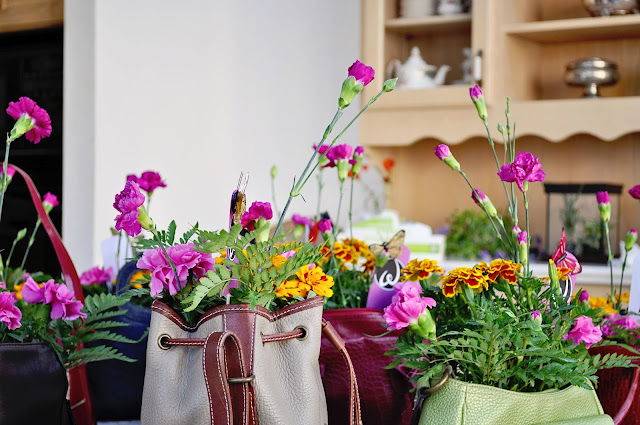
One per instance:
(391, 402)
(453, 402)
(618, 387)
(116, 387)
(34, 386)
(239, 365)
(78, 387)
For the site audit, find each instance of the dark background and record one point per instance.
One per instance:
(31, 65)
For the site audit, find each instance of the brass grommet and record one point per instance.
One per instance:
(305, 332)
(162, 343)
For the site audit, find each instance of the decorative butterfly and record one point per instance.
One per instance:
(238, 200)
(562, 258)
(393, 248)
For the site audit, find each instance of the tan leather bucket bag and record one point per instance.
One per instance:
(239, 366)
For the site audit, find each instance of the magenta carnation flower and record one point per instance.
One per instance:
(635, 191)
(256, 211)
(525, 168)
(10, 172)
(522, 237)
(362, 73)
(584, 296)
(324, 226)
(442, 151)
(407, 290)
(584, 331)
(186, 260)
(304, 221)
(615, 322)
(148, 181)
(602, 198)
(39, 118)
(49, 201)
(61, 298)
(96, 276)
(338, 153)
(9, 313)
(400, 315)
(127, 203)
(322, 149)
(3, 285)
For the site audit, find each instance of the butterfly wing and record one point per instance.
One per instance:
(377, 249)
(395, 244)
(562, 258)
(238, 200)
(561, 250)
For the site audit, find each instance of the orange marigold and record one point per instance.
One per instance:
(370, 264)
(453, 281)
(345, 253)
(325, 253)
(506, 269)
(420, 270)
(292, 288)
(357, 244)
(319, 282)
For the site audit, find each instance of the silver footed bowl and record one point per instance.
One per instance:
(611, 7)
(591, 73)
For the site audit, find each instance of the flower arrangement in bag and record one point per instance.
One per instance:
(257, 266)
(35, 307)
(495, 323)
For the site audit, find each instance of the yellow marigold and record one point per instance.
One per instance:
(292, 288)
(506, 269)
(314, 277)
(370, 264)
(453, 281)
(345, 253)
(139, 275)
(602, 302)
(420, 270)
(625, 297)
(222, 255)
(325, 253)
(17, 289)
(357, 244)
(564, 273)
(278, 261)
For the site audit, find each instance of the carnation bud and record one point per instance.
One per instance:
(536, 316)
(389, 85)
(583, 297)
(630, 240)
(478, 100)
(298, 231)
(523, 247)
(21, 234)
(22, 126)
(604, 205)
(553, 277)
(444, 153)
(263, 228)
(426, 326)
(274, 171)
(481, 199)
(500, 128)
(144, 219)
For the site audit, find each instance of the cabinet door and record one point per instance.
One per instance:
(20, 15)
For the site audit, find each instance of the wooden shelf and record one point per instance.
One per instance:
(442, 96)
(429, 24)
(582, 29)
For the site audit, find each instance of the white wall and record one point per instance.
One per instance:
(198, 90)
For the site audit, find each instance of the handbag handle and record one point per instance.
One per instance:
(79, 395)
(68, 269)
(624, 409)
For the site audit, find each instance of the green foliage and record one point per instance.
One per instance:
(352, 288)
(470, 233)
(491, 338)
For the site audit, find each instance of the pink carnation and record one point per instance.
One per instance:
(186, 260)
(9, 313)
(96, 275)
(50, 200)
(635, 191)
(324, 226)
(442, 151)
(525, 167)
(478, 197)
(339, 153)
(127, 203)
(584, 296)
(304, 221)
(39, 118)
(400, 315)
(406, 290)
(3, 285)
(584, 331)
(362, 73)
(615, 322)
(602, 198)
(148, 181)
(61, 298)
(10, 172)
(256, 211)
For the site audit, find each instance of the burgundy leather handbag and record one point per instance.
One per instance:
(79, 396)
(618, 388)
(386, 397)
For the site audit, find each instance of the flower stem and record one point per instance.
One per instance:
(32, 238)
(624, 265)
(320, 186)
(526, 213)
(5, 270)
(5, 165)
(273, 195)
(335, 225)
(610, 260)
(351, 210)
(295, 190)
(495, 156)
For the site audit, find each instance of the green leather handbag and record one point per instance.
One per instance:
(453, 402)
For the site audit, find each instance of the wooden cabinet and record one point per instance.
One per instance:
(525, 46)
(21, 15)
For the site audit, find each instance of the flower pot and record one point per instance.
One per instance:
(387, 399)
(34, 386)
(457, 403)
(615, 386)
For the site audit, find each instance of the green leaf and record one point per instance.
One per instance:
(189, 234)
(171, 232)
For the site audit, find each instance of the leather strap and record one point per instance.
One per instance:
(355, 415)
(624, 409)
(222, 359)
(78, 385)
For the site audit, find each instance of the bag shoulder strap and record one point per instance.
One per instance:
(224, 366)
(355, 416)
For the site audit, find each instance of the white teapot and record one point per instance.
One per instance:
(415, 73)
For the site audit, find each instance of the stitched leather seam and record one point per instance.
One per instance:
(186, 344)
(244, 390)
(253, 342)
(206, 380)
(226, 401)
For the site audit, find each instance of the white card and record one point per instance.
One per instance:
(634, 292)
